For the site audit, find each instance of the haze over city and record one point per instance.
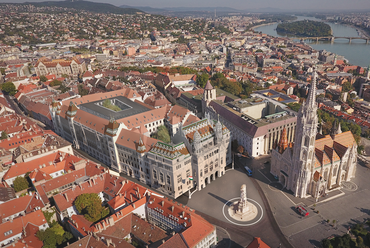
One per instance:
(187, 124)
(283, 5)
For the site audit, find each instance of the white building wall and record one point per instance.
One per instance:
(140, 211)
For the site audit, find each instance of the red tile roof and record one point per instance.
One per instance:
(257, 243)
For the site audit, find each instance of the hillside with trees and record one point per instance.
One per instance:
(305, 28)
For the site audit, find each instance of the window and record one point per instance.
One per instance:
(168, 179)
(188, 173)
(161, 177)
(155, 174)
(8, 233)
(179, 178)
(206, 169)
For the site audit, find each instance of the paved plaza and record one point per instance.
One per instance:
(346, 206)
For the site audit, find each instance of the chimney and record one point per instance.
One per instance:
(162, 203)
(109, 242)
(163, 241)
(111, 221)
(173, 233)
(123, 182)
(131, 197)
(172, 208)
(66, 196)
(133, 205)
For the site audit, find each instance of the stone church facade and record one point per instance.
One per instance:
(314, 164)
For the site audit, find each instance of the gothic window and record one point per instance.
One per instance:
(306, 141)
(201, 173)
(310, 156)
(335, 171)
(312, 141)
(304, 154)
(161, 177)
(326, 174)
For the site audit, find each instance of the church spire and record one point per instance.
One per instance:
(311, 99)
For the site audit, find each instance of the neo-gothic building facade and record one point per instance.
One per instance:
(74, 66)
(314, 164)
(197, 155)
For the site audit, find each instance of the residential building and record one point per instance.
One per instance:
(22, 227)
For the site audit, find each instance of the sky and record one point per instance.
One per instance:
(240, 4)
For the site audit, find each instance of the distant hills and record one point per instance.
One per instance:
(183, 9)
(87, 6)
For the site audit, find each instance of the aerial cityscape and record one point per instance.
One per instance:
(135, 124)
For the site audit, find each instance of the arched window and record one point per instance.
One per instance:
(306, 141)
(326, 174)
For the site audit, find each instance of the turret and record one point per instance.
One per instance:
(140, 147)
(72, 110)
(218, 132)
(112, 127)
(197, 142)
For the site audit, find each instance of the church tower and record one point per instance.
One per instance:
(304, 143)
(208, 95)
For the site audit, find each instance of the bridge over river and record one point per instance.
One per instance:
(332, 38)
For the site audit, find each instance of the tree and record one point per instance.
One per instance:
(54, 236)
(294, 106)
(162, 134)
(90, 206)
(347, 86)
(55, 82)
(202, 80)
(63, 88)
(326, 244)
(20, 183)
(81, 90)
(9, 88)
(4, 135)
(43, 79)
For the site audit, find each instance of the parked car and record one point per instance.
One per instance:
(302, 210)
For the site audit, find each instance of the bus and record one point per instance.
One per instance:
(249, 171)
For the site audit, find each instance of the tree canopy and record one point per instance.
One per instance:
(108, 104)
(162, 134)
(220, 81)
(305, 28)
(81, 90)
(90, 205)
(54, 236)
(55, 82)
(294, 106)
(202, 79)
(43, 78)
(20, 183)
(4, 135)
(9, 88)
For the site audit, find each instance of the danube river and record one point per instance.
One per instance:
(357, 52)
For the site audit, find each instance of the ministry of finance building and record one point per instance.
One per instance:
(197, 154)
